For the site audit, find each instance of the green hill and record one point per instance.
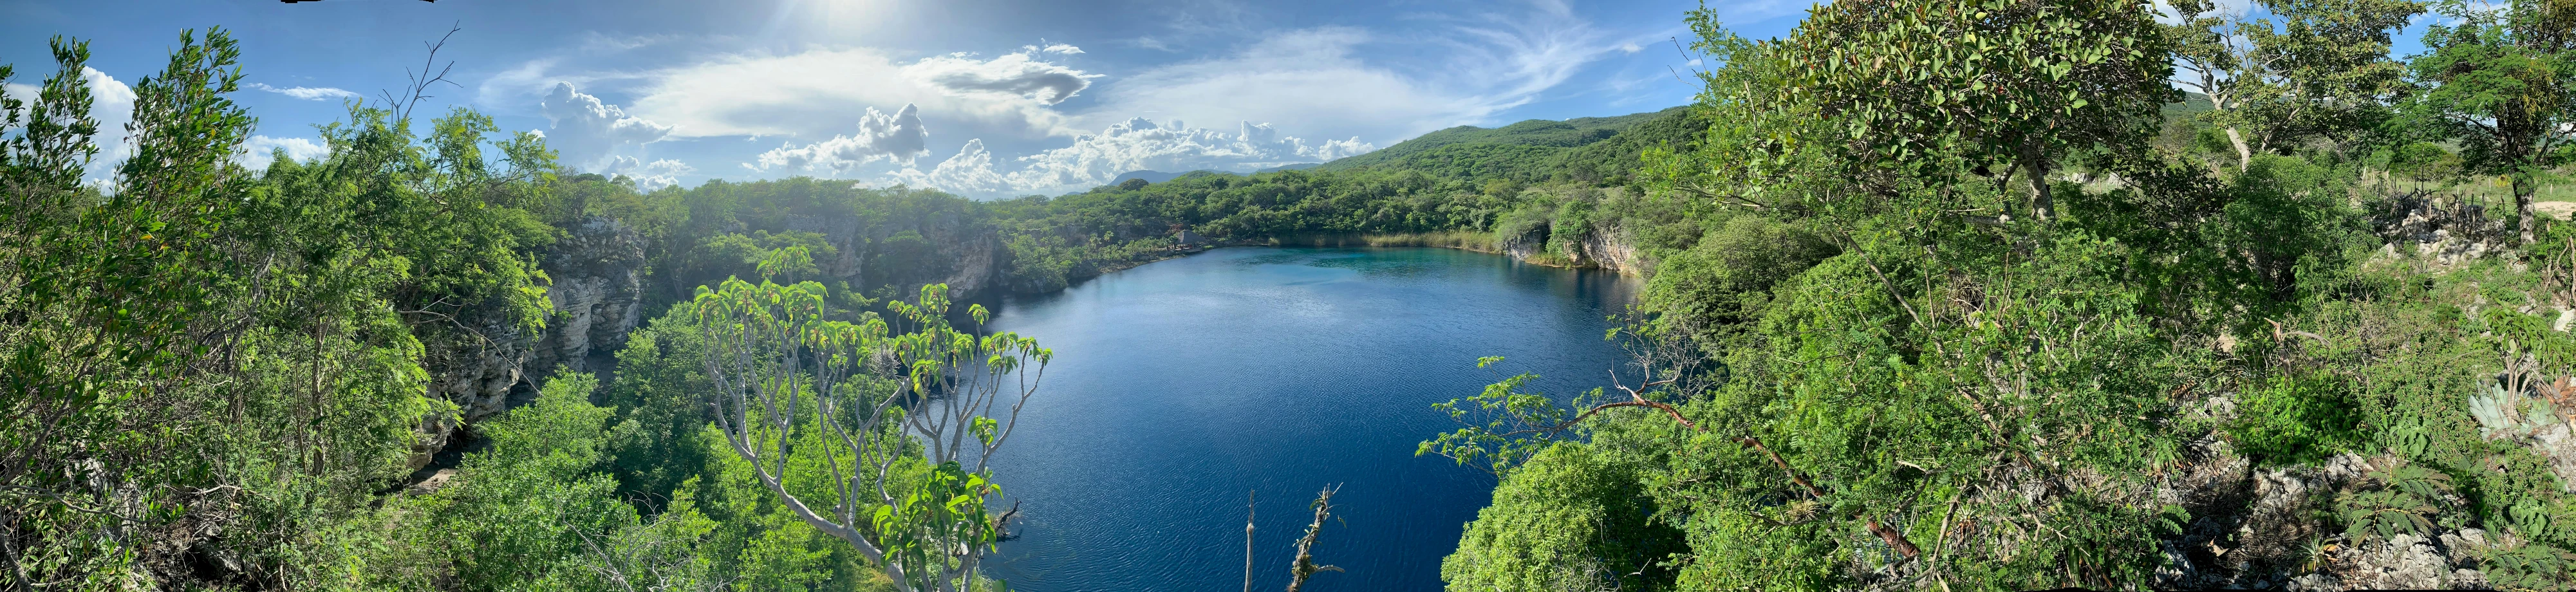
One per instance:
(1583, 149)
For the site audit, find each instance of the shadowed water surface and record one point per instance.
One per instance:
(1179, 385)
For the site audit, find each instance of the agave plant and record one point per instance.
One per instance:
(2499, 412)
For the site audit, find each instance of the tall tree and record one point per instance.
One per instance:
(2503, 82)
(2321, 68)
(1999, 82)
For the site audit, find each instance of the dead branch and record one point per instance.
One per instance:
(1305, 565)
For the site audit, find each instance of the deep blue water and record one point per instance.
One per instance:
(1179, 385)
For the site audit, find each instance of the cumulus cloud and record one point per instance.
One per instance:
(1059, 48)
(1136, 144)
(1142, 144)
(258, 151)
(586, 131)
(969, 172)
(111, 105)
(1016, 74)
(894, 138)
(648, 176)
(796, 94)
(307, 93)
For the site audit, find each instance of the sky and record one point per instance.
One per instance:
(984, 98)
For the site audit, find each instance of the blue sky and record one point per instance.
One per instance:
(978, 97)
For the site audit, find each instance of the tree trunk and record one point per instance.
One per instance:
(2244, 155)
(2037, 167)
(2523, 212)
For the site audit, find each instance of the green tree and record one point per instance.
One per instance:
(903, 422)
(1995, 83)
(2319, 72)
(2499, 81)
(1571, 518)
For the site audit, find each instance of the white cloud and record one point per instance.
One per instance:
(798, 94)
(970, 172)
(111, 105)
(894, 138)
(648, 176)
(1142, 144)
(586, 131)
(1061, 48)
(307, 93)
(1136, 144)
(258, 151)
(1016, 74)
(1322, 80)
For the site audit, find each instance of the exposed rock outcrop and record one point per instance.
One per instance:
(476, 370)
(2442, 228)
(934, 248)
(598, 295)
(1597, 248)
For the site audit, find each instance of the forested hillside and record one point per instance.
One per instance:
(1939, 296)
(1983, 302)
(433, 358)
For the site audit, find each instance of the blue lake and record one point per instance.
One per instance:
(1180, 385)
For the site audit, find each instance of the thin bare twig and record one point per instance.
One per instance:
(419, 85)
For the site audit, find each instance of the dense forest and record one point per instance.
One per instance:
(1939, 295)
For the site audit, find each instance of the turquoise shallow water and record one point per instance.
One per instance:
(1179, 385)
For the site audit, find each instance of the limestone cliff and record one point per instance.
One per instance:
(597, 292)
(598, 295)
(475, 366)
(937, 247)
(1607, 248)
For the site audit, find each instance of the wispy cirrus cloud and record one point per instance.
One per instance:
(1329, 80)
(309, 93)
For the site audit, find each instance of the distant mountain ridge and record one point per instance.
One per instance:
(1149, 176)
(1586, 150)
(1571, 133)
(1583, 150)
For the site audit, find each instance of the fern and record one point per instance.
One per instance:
(2530, 567)
(2398, 500)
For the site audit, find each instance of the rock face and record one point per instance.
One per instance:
(598, 295)
(1599, 248)
(933, 248)
(1608, 249)
(476, 370)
